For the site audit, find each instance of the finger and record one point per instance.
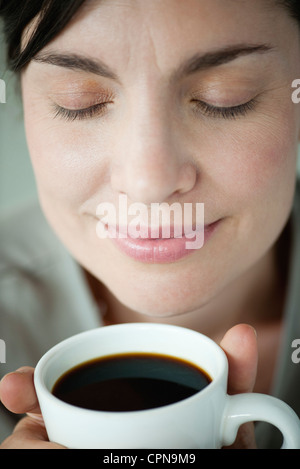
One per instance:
(240, 346)
(17, 392)
(29, 434)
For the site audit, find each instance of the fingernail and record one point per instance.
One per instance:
(22, 370)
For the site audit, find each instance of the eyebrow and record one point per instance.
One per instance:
(196, 63)
(76, 62)
(220, 57)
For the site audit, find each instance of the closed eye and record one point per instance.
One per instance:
(231, 112)
(96, 110)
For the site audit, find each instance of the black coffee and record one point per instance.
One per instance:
(127, 382)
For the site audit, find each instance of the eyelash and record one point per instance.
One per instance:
(80, 114)
(231, 112)
(208, 110)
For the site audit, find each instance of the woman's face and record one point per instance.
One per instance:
(154, 131)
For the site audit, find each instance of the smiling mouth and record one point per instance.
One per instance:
(152, 233)
(163, 245)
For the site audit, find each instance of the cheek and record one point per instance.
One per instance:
(69, 166)
(260, 163)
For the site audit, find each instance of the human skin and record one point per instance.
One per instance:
(151, 144)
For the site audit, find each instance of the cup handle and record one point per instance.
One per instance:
(250, 407)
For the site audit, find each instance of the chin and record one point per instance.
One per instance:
(164, 305)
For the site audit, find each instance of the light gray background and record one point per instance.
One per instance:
(17, 184)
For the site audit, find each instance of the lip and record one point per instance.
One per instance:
(162, 249)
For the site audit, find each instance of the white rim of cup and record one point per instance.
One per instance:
(51, 353)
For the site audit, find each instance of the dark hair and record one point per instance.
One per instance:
(54, 15)
(293, 7)
(16, 15)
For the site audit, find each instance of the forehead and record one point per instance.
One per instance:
(135, 34)
(176, 21)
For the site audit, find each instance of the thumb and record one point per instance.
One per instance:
(240, 346)
(17, 392)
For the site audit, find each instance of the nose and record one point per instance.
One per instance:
(149, 165)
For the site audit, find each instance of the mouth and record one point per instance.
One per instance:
(157, 245)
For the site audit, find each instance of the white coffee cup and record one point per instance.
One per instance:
(208, 419)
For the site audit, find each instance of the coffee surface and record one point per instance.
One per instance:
(129, 382)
